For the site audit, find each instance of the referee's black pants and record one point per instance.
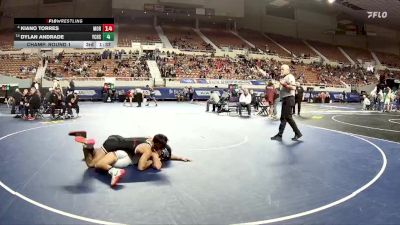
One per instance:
(286, 115)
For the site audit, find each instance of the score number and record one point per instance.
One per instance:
(108, 28)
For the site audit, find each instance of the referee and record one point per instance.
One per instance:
(288, 87)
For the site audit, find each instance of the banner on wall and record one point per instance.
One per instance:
(214, 81)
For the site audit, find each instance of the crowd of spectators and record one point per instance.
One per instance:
(200, 66)
(118, 63)
(108, 63)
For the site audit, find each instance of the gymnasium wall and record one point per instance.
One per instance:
(312, 25)
(128, 4)
(304, 24)
(17, 8)
(93, 8)
(64, 9)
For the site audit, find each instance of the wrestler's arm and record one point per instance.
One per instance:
(180, 158)
(144, 160)
(157, 164)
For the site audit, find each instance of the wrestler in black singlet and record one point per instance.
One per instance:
(117, 142)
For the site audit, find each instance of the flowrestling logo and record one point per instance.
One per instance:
(380, 15)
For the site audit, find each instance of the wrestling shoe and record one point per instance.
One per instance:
(116, 176)
(78, 133)
(87, 142)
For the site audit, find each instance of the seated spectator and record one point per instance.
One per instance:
(214, 99)
(72, 103)
(245, 101)
(33, 104)
(57, 102)
(180, 97)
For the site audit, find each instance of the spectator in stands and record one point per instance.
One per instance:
(245, 101)
(213, 100)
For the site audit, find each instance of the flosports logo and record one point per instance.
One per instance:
(380, 15)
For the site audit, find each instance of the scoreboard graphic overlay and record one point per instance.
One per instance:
(64, 33)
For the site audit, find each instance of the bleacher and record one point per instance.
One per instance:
(224, 38)
(329, 51)
(21, 66)
(262, 43)
(184, 38)
(358, 54)
(294, 45)
(140, 30)
(389, 60)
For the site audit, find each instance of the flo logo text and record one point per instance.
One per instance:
(380, 15)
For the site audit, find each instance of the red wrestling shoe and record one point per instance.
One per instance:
(85, 141)
(116, 176)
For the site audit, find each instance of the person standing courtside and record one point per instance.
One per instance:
(298, 98)
(288, 86)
